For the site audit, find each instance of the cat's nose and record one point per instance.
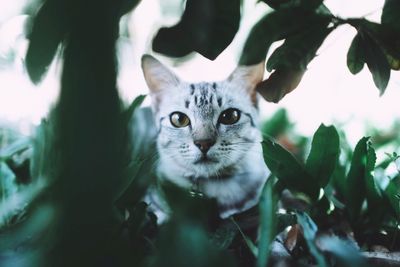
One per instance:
(204, 145)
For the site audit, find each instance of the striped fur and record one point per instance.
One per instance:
(235, 172)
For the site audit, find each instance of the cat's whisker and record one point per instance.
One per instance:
(213, 119)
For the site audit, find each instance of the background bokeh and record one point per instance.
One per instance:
(328, 93)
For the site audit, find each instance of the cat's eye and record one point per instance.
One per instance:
(179, 119)
(229, 116)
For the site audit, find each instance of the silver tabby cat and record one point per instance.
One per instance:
(208, 138)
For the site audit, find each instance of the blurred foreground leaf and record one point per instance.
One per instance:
(8, 186)
(48, 31)
(310, 234)
(206, 26)
(306, 4)
(268, 220)
(345, 254)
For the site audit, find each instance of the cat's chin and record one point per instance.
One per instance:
(205, 161)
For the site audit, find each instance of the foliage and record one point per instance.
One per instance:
(366, 205)
(76, 188)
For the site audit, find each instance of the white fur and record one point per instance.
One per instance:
(236, 177)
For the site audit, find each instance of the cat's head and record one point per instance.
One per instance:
(204, 128)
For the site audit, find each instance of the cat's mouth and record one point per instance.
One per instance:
(205, 160)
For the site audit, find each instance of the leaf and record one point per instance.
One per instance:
(253, 248)
(330, 195)
(299, 49)
(355, 190)
(306, 4)
(310, 234)
(288, 170)
(376, 207)
(276, 26)
(390, 14)
(268, 221)
(206, 26)
(7, 182)
(279, 83)
(182, 243)
(356, 55)
(285, 220)
(290, 61)
(16, 147)
(127, 6)
(393, 62)
(377, 63)
(391, 193)
(48, 31)
(345, 254)
(128, 114)
(386, 37)
(277, 124)
(324, 154)
(224, 236)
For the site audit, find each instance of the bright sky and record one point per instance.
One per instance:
(328, 92)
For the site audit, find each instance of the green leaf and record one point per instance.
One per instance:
(339, 181)
(16, 147)
(306, 4)
(268, 221)
(127, 6)
(299, 49)
(252, 247)
(375, 201)
(310, 234)
(224, 236)
(7, 181)
(390, 14)
(277, 124)
(391, 193)
(388, 39)
(280, 83)
(355, 190)
(182, 243)
(377, 63)
(206, 26)
(324, 154)
(128, 114)
(48, 31)
(288, 170)
(356, 55)
(345, 254)
(276, 26)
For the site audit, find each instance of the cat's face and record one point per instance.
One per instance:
(204, 128)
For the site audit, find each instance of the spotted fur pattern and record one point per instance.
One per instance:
(235, 171)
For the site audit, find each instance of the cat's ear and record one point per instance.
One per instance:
(157, 76)
(248, 77)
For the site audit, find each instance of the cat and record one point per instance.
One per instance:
(207, 136)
